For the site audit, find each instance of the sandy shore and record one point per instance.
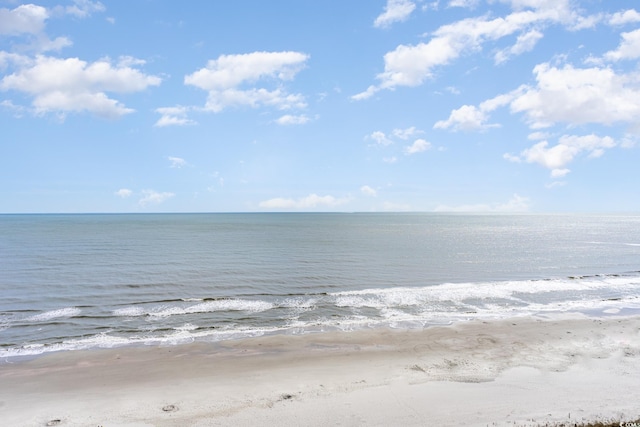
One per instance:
(518, 371)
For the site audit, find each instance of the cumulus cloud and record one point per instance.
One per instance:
(176, 162)
(568, 95)
(154, 197)
(24, 19)
(394, 11)
(380, 138)
(71, 85)
(578, 96)
(418, 146)
(226, 80)
(174, 116)
(626, 17)
(558, 156)
(629, 48)
(472, 118)
(515, 204)
(411, 65)
(406, 133)
(84, 8)
(289, 119)
(124, 193)
(525, 43)
(309, 202)
(365, 189)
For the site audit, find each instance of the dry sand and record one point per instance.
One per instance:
(522, 371)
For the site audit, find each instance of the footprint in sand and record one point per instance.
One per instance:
(170, 408)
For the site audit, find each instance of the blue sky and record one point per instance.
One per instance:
(288, 105)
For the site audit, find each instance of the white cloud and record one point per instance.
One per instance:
(24, 19)
(533, 136)
(72, 85)
(225, 79)
(463, 3)
(629, 47)
(154, 197)
(411, 65)
(515, 204)
(574, 96)
(472, 118)
(365, 189)
(380, 138)
(394, 11)
(84, 8)
(176, 162)
(466, 118)
(309, 202)
(564, 152)
(174, 116)
(418, 146)
(627, 17)
(289, 119)
(578, 96)
(392, 159)
(525, 43)
(406, 133)
(559, 173)
(124, 193)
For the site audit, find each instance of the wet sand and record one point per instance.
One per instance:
(527, 371)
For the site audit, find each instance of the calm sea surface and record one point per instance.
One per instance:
(83, 281)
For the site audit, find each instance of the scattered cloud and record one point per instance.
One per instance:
(627, 17)
(629, 48)
(380, 138)
(557, 157)
(154, 197)
(469, 4)
(569, 95)
(525, 43)
(24, 19)
(365, 189)
(84, 8)
(579, 96)
(124, 193)
(411, 65)
(227, 77)
(418, 146)
(394, 11)
(515, 204)
(309, 202)
(174, 116)
(406, 133)
(471, 118)
(72, 85)
(289, 119)
(176, 162)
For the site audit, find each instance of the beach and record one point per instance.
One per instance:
(518, 371)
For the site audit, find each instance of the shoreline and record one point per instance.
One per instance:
(529, 371)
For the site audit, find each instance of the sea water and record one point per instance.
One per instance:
(72, 282)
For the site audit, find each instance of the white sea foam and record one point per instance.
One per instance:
(128, 312)
(54, 314)
(213, 306)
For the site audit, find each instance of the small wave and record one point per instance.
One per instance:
(55, 314)
(128, 312)
(213, 306)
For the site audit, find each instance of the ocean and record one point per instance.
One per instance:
(76, 282)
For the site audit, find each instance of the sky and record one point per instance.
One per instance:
(333, 105)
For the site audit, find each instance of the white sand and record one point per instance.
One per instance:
(522, 371)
